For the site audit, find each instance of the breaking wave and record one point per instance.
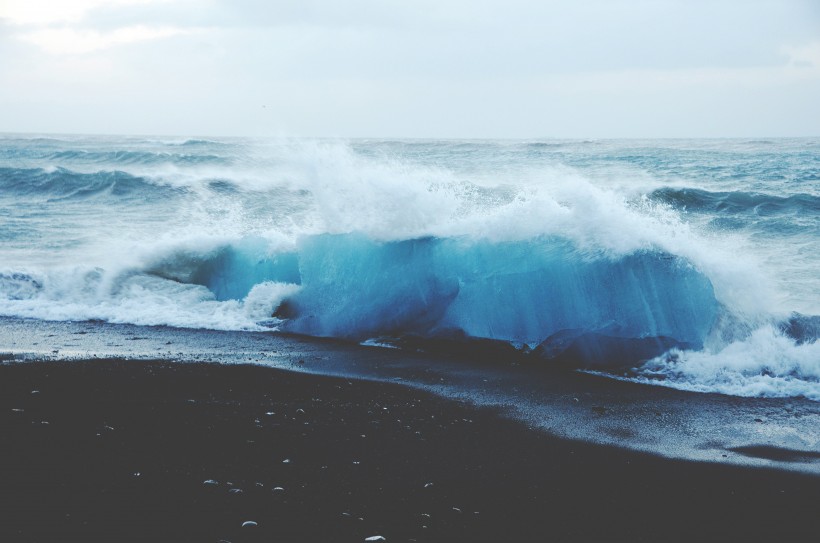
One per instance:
(360, 242)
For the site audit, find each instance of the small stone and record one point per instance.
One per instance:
(428, 485)
(278, 489)
(235, 491)
(210, 482)
(375, 538)
(249, 524)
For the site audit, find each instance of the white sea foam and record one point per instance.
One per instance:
(134, 263)
(766, 364)
(264, 298)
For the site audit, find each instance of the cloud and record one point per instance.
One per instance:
(48, 12)
(61, 27)
(69, 41)
(803, 56)
(488, 68)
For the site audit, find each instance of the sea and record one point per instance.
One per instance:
(692, 264)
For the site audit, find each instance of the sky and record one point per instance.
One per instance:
(412, 68)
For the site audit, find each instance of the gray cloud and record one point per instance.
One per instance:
(428, 68)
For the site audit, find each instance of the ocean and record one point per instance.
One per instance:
(690, 264)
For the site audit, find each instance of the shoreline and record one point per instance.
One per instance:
(134, 450)
(781, 433)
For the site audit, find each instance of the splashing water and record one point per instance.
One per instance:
(690, 264)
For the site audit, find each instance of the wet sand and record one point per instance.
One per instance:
(119, 450)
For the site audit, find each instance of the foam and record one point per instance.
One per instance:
(767, 363)
(217, 234)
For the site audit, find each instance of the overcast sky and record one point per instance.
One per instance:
(413, 68)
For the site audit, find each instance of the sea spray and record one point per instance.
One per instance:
(688, 254)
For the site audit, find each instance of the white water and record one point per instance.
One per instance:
(105, 258)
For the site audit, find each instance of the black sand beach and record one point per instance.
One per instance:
(119, 450)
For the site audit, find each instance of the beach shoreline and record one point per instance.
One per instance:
(135, 450)
(781, 433)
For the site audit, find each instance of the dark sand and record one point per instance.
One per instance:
(118, 450)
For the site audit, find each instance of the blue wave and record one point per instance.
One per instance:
(133, 157)
(737, 202)
(539, 292)
(802, 328)
(200, 142)
(116, 157)
(66, 184)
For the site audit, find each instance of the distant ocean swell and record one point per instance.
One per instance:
(64, 183)
(660, 283)
(738, 202)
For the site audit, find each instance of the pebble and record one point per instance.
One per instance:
(286, 461)
(375, 538)
(278, 489)
(249, 524)
(210, 482)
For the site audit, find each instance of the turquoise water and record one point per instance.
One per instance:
(686, 263)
